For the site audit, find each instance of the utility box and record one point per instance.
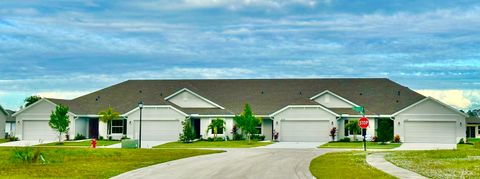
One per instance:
(129, 144)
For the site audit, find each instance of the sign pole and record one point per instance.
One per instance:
(363, 123)
(364, 132)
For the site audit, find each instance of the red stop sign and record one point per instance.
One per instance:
(363, 122)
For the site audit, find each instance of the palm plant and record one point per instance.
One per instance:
(215, 125)
(108, 115)
(353, 126)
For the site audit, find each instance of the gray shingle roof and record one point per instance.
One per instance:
(377, 95)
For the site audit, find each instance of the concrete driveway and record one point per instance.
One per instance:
(293, 145)
(425, 146)
(24, 143)
(236, 163)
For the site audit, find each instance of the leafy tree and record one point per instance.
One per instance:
(108, 115)
(385, 130)
(59, 120)
(215, 125)
(247, 122)
(187, 134)
(31, 99)
(353, 126)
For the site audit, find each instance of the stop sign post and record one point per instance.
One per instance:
(363, 123)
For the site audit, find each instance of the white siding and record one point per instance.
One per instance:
(186, 99)
(81, 127)
(332, 101)
(154, 116)
(303, 114)
(204, 122)
(3, 119)
(39, 111)
(431, 112)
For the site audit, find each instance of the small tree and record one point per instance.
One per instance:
(215, 125)
(31, 99)
(59, 120)
(107, 116)
(247, 122)
(353, 126)
(385, 130)
(187, 134)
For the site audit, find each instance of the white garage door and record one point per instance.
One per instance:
(430, 132)
(159, 130)
(38, 130)
(305, 131)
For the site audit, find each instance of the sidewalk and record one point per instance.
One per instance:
(378, 161)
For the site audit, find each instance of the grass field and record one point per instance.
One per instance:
(473, 140)
(88, 163)
(359, 145)
(217, 144)
(4, 140)
(461, 163)
(82, 143)
(344, 165)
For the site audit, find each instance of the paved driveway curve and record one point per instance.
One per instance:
(236, 163)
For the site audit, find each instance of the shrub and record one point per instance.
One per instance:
(238, 137)
(211, 139)
(258, 137)
(109, 137)
(13, 138)
(187, 134)
(385, 130)
(100, 137)
(333, 131)
(79, 137)
(461, 141)
(396, 139)
(374, 139)
(346, 139)
(26, 154)
(476, 145)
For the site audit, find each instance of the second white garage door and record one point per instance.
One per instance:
(430, 132)
(305, 131)
(159, 130)
(38, 130)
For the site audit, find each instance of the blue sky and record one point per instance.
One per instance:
(65, 49)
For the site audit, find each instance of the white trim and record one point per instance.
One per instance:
(373, 116)
(211, 115)
(332, 93)
(195, 94)
(435, 100)
(38, 102)
(303, 106)
(3, 110)
(154, 106)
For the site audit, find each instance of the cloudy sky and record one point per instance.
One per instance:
(65, 49)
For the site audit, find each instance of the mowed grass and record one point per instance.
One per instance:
(359, 145)
(473, 140)
(464, 162)
(344, 165)
(82, 143)
(4, 140)
(214, 144)
(89, 163)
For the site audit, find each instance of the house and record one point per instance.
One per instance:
(3, 118)
(298, 109)
(473, 127)
(10, 124)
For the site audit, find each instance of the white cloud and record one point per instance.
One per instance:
(456, 98)
(62, 94)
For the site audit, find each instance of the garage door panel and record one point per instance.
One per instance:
(430, 132)
(159, 130)
(38, 130)
(305, 131)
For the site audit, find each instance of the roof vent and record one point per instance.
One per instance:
(161, 94)
(361, 94)
(262, 92)
(98, 98)
(398, 101)
(398, 93)
(300, 93)
(139, 91)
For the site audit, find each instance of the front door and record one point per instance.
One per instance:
(196, 127)
(471, 131)
(93, 128)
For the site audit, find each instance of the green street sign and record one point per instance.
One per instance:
(359, 109)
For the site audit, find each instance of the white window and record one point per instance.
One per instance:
(118, 127)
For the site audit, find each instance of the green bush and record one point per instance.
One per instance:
(211, 139)
(187, 134)
(13, 138)
(346, 139)
(100, 137)
(238, 137)
(26, 154)
(79, 137)
(258, 137)
(396, 139)
(461, 141)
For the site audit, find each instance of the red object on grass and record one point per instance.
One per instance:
(94, 143)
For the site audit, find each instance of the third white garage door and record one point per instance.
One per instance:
(305, 131)
(159, 130)
(430, 132)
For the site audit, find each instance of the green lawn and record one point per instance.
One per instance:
(344, 165)
(359, 145)
(461, 163)
(4, 140)
(217, 144)
(89, 163)
(473, 140)
(82, 143)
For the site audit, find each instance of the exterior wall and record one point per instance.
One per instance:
(81, 127)
(267, 127)
(102, 129)
(331, 101)
(10, 128)
(40, 111)
(186, 99)
(204, 122)
(477, 129)
(429, 110)
(370, 129)
(3, 120)
(303, 114)
(150, 113)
